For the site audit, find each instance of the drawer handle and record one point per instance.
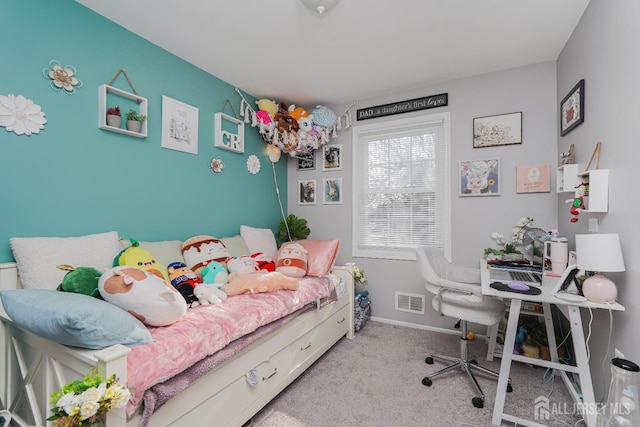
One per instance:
(275, 371)
(304, 348)
(342, 320)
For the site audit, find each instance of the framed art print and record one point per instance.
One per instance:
(572, 109)
(306, 162)
(179, 126)
(479, 177)
(307, 192)
(332, 191)
(332, 157)
(503, 129)
(533, 179)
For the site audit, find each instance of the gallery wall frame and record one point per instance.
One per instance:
(332, 157)
(307, 192)
(332, 191)
(501, 129)
(533, 178)
(179, 126)
(306, 162)
(479, 178)
(572, 109)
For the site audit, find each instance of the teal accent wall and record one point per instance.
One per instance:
(73, 178)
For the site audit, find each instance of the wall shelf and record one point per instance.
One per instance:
(567, 178)
(103, 90)
(598, 198)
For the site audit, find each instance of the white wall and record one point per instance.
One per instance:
(531, 90)
(604, 51)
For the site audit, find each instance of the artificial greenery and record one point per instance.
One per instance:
(293, 229)
(114, 111)
(133, 115)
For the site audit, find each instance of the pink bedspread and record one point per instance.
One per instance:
(206, 329)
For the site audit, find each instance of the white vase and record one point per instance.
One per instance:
(113, 120)
(134, 125)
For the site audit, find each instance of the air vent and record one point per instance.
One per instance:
(411, 303)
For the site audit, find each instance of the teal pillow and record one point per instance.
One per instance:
(73, 319)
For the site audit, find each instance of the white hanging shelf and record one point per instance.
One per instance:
(102, 110)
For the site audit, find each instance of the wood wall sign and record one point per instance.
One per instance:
(424, 103)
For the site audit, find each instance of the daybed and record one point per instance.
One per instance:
(225, 388)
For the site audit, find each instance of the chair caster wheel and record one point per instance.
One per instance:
(477, 402)
(427, 381)
(509, 388)
(429, 360)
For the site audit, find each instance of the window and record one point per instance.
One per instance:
(401, 187)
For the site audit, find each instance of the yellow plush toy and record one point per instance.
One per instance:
(267, 105)
(136, 256)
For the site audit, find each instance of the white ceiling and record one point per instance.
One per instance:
(363, 48)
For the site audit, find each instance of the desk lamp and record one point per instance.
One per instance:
(599, 253)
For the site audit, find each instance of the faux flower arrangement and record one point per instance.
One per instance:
(507, 248)
(359, 277)
(83, 403)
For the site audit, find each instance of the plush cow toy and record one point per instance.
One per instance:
(144, 295)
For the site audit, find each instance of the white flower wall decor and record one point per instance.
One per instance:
(62, 77)
(20, 115)
(216, 165)
(253, 164)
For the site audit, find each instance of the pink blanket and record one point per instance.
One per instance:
(205, 330)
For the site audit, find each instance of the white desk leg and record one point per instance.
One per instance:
(580, 348)
(505, 366)
(492, 336)
(551, 334)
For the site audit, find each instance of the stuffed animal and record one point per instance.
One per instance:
(136, 256)
(214, 272)
(297, 112)
(243, 264)
(264, 117)
(285, 123)
(263, 262)
(144, 295)
(305, 126)
(184, 280)
(80, 280)
(258, 282)
(322, 116)
(208, 294)
(267, 105)
(291, 260)
(200, 250)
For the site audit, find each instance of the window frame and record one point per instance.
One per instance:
(386, 127)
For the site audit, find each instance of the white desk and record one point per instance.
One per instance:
(572, 311)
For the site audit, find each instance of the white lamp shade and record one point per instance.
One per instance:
(599, 252)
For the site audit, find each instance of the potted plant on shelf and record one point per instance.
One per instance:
(134, 120)
(114, 117)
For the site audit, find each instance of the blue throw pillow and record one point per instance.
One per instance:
(73, 319)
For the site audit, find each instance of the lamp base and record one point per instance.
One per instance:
(598, 288)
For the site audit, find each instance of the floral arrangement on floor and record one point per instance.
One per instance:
(509, 250)
(83, 403)
(359, 277)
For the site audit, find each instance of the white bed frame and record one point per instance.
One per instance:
(34, 367)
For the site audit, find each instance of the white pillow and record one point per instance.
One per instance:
(259, 240)
(236, 245)
(38, 257)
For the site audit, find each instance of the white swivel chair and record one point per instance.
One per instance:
(458, 294)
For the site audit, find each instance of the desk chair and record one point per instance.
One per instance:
(458, 294)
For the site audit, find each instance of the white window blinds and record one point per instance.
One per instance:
(401, 199)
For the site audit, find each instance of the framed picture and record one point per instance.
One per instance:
(307, 192)
(332, 191)
(332, 157)
(503, 129)
(479, 177)
(306, 162)
(533, 179)
(572, 109)
(179, 126)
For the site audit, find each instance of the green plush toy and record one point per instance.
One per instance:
(81, 280)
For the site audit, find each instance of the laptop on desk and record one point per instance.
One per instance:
(530, 275)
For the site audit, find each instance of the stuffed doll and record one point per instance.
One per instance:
(214, 272)
(291, 260)
(144, 295)
(199, 251)
(322, 116)
(136, 256)
(184, 280)
(80, 280)
(208, 294)
(258, 282)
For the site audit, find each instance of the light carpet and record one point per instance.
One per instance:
(375, 380)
